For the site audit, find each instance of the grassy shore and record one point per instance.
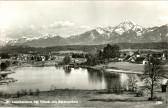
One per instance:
(85, 98)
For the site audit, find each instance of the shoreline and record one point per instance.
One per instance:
(105, 68)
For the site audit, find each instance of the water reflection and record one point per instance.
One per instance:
(67, 70)
(95, 76)
(114, 82)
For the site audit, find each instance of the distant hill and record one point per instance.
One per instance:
(85, 48)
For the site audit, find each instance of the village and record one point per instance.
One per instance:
(129, 55)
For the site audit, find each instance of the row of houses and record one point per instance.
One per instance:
(57, 56)
(36, 57)
(142, 58)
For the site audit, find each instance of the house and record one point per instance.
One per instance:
(145, 61)
(132, 59)
(163, 56)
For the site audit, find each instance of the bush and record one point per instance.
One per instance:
(24, 92)
(6, 95)
(18, 94)
(1, 94)
(15, 63)
(139, 93)
(155, 98)
(37, 92)
(30, 92)
(4, 65)
(4, 56)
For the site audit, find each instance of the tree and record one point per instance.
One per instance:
(92, 60)
(100, 55)
(4, 65)
(152, 74)
(4, 56)
(66, 60)
(111, 51)
(47, 57)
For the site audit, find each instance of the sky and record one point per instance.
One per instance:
(65, 18)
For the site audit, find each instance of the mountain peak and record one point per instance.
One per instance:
(100, 30)
(126, 25)
(128, 22)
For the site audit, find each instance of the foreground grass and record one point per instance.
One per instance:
(85, 98)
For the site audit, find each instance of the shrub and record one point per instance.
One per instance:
(24, 92)
(4, 65)
(37, 92)
(4, 56)
(18, 94)
(30, 92)
(6, 95)
(15, 63)
(155, 98)
(1, 94)
(139, 93)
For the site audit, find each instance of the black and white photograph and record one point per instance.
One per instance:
(84, 54)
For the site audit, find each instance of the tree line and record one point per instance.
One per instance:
(108, 52)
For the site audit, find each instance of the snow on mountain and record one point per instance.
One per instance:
(126, 31)
(126, 25)
(119, 31)
(109, 29)
(100, 30)
(121, 28)
(104, 31)
(92, 36)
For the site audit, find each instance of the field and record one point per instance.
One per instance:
(126, 66)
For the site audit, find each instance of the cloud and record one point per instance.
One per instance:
(163, 18)
(61, 24)
(85, 27)
(32, 26)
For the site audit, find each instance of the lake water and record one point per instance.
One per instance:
(49, 78)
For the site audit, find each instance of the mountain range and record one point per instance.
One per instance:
(125, 32)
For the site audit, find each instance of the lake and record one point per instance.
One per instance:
(49, 78)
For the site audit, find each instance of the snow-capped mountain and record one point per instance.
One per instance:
(125, 32)
(128, 25)
(121, 28)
